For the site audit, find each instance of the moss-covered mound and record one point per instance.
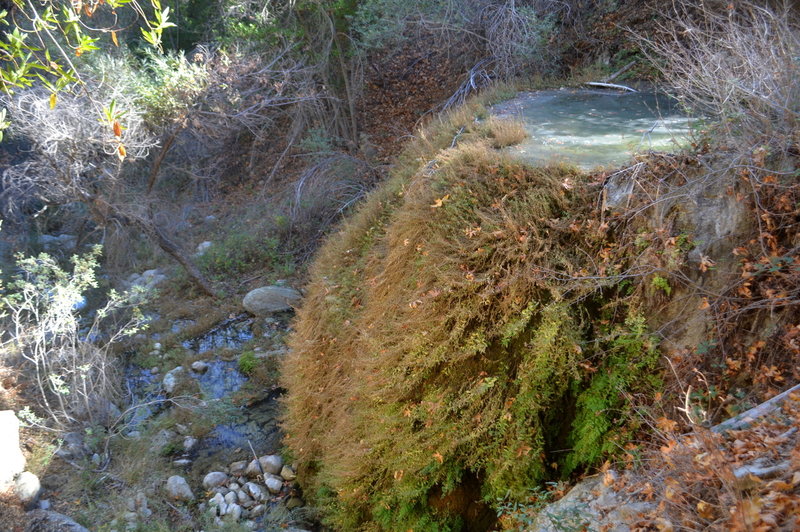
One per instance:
(463, 339)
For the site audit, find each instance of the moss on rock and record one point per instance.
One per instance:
(450, 348)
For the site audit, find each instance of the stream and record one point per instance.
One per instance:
(236, 426)
(591, 128)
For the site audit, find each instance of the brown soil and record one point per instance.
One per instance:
(12, 515)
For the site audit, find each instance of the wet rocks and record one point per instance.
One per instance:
(189, 443)
(170, 380)
(178, 489)
(199, 366)
(269, 299)
(221, 494)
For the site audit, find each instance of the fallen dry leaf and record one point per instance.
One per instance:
(440, 201)
(705, 510)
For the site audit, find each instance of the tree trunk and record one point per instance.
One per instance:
(160, 159)
(349, 96)
(351, 100)
(105, 212)
(174, 251)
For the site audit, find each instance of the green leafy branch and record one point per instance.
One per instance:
(43, 38)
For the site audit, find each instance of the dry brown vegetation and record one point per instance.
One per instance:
(736, 64)
(476, 317)
(727, 310)
(741, 480)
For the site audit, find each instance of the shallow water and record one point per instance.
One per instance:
(256, 423)
(242, 426)
(231, 334)
(221, 379)
(236, 428)
(144, 389)
(591, 128)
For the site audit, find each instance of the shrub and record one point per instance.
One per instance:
(241, 252)
(736, 64)
(324, 192)
(513, 36)
(69, 358)
(168, 85)
(160, 87)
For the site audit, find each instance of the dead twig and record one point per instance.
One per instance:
(744, 419)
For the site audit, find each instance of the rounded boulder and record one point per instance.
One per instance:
(269, 299)
(214, 479)
(178, 489)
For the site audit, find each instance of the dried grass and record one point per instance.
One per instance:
(503, 132)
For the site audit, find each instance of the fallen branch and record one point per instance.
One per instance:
(610, 86)
(619, 72)
(746, 418)
(258, 462)
(761, 471)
